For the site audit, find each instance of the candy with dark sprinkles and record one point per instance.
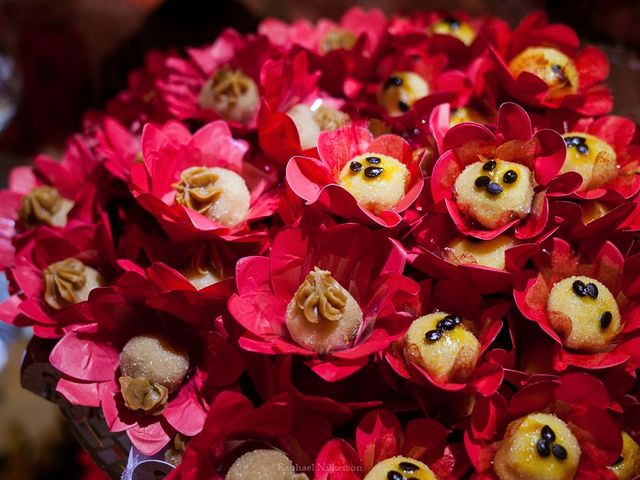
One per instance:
(373, 172)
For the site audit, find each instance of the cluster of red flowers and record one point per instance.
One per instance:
(348, 243)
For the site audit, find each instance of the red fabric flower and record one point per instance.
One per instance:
(267, 284)
(604, 263)
(315, 180)
(590, 65)
(542, 153)
(379, 436)
(578, 399)
(169, 150)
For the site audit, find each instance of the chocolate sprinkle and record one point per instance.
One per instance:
(580, 143)
(619, 460)
(489, 166)
(408, 467)
(392, 82)
(355, 166)
(373, 172)
(543, 448)
(510, 176)
(403, 106)
(592, 290)
(482, 181)
(456, 319)
(605, 320)
(559, 451)
(373, 160)
(433, 335)
(579, 288)
(547, 433)
(494, 188)
(393, 475)
(446, 323)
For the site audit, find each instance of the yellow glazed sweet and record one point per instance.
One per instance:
(551, 65)
(263, 464)
(494, 192)
(584, 313)
(443, 346)
(539, 446)
(456, 28)
(322, 315)
(591, 157)
(465, 114)
(487, 253)
(627, 466)
(400, 91)
(378, 182)
(400, 468)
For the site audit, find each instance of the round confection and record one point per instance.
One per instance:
(539, 446)
(400, 91)
(202, 278)
(263, 464)
(627, 466)
(44, 206)
(218, 193)
(155, 358)
(68, 282)
(551, 65)
(378, 182)
(322, 315)
(231, 94)
(592, 158)
(494, 192)
(584, 313)
(455, 28)
(465, 114)
(487, 253)
(337, 39)
(400, 468)
(443, 346)
(308, 128)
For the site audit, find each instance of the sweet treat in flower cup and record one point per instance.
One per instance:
(382, 247)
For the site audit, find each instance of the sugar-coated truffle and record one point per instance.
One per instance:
(400, 91)
(156, 359)
(442, 345)
(487, 253)
(218, 193)
(627, 466)
(592, 158)
(400, 468)
(68, 282)
(322, 315)
(263, 464)
(378, 182)
(231, 94)
(551, 65)
(494, 192)
(310, 122)
(44, 206)
(455, 28)
(584, 313)
(538, 446)
(337, 39)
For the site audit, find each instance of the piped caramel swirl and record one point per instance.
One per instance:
(320, 296)
(141, 394)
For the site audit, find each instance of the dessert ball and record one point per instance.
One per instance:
(206, 269)
(156, 359)
(337, 39)
(263, 464)
(400, 468)
(494, 192)
(378, 182)
(627, 466)
(322, 315)
(69, 282)
(551, 65)
(591, 157)
(456, 28)
(487, 253)
(465, 114)
(231, 94)
(310, 123)
(443, 346)
(400, 91)
(539, 446)
(218, 193)
(584, 313)
(44, 206)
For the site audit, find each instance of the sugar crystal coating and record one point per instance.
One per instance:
(263, 464)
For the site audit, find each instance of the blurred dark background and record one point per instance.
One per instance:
(61, 57)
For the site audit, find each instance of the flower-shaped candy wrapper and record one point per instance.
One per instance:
(598, 261)
(234, 427)
(565, 76)
(380, 436)
(484, 318)
(170, 151)
(578, 399)
(316, 180)
(367, 265)
(89, 358)
(541, 154)
(51, 280)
